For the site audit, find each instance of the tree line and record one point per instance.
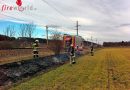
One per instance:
(116, 44)
(25, 30)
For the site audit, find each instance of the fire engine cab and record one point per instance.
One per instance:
(77, 42)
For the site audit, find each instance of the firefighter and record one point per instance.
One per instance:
(77, 50)
(92, 50)
(77, 47)
(72, 54)
(35, 49)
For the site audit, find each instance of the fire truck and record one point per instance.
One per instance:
(77, 42)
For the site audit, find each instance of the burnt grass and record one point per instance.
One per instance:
(12, 73)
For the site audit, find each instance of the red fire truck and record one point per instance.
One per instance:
(77, 42)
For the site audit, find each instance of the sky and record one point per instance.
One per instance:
(104, 20)
(38, 32)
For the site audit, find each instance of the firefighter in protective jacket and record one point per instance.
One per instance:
(92, 50)
(35, 49)
(72, 54)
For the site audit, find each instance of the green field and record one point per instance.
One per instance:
(108, 69)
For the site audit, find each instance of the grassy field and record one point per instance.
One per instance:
(108, 69)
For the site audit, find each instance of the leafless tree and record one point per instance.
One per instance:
(6, 31)
(55, 43)
(23, 31)
(12, 31)
(27, 30)
(9, 31)
(30, 29)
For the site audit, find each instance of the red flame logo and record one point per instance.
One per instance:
(19, 2)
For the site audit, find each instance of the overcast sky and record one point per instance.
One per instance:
(106, 20)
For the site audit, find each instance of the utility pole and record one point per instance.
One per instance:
(87, 42)
(96, 41)
(91, 40)
(77, 27)
(47, 34)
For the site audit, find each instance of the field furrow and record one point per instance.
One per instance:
(108, 69)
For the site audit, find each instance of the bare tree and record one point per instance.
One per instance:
(12, 31)
(6, 31)
(23, 31)
(9, 31)
(55, 43)
(30, 29)
(27, 30)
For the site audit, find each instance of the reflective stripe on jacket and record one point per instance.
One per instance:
(35, 47)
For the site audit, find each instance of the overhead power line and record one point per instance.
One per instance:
(51, 5)
(14, 18)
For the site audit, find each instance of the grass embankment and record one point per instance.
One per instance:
(22, 56)
(109, 69)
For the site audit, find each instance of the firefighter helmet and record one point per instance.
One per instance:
(72, 45)
(36, 40)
